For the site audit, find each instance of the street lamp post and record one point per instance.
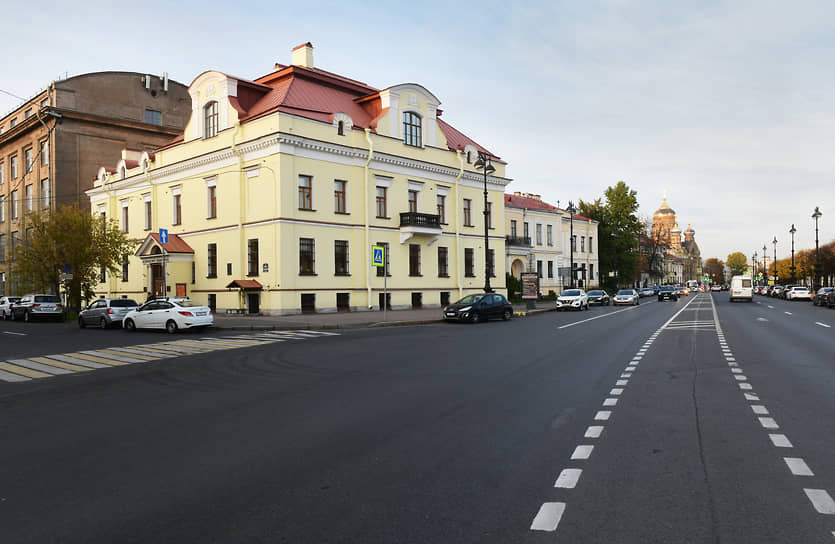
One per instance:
(816, 214)
(765, 263)
(754, 268)
(792, 269)
(775, 259)
(483, 163)
(571, 211)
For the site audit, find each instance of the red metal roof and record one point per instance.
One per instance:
(456, 140)
(518, 201)
(244, 284)
(175, 243)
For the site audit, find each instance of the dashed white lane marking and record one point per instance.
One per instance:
(610, 402)
(602, 415)
(746, 386)
(770, 306)
(616, 391)
(594, 431)
(751, 396)
(626, 375)
(821, 500)
(798, 466)
(768, 423)
(762, 319)
(622, 382)
(548, 517)
(788, 313)
(736, 370)
(780, 440)
(823, 324)
(568, 478)
(759, 409)
(15, 333)
(741, 378)
(582, 452)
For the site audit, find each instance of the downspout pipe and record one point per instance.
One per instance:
(366, 248)
(458, 270)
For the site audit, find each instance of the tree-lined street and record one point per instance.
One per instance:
(664, 422)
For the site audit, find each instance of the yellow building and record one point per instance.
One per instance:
(537, 241)
(279, 187)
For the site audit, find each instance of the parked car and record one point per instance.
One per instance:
(38, 306)
(667, 292)
(798, 292)
(479, 307)
(627, 296)
(775, 292)
(573, 299)
(600, 297)
(106, 312)
(830, 299)
(821, 297)
(168, 314)
(6, 304)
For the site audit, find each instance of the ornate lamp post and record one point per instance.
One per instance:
(792, 269)
(754, 261)
(765, 263)
(815, 215)
(571, 211)
(775, 259)
(483, 163)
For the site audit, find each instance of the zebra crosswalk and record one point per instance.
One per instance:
(47, 366)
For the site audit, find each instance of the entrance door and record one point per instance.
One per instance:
(156, 279)
(253, 303)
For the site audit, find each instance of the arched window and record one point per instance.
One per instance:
(210, 120)
(411, 129)
(340, 128)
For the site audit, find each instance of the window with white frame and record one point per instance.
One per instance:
(340, 203)
(13, 167)
(28, 158)
(44, 152)
(382, 204)
(539, 234)
(27, 195)
(45, 193)
(124, 205)
(177, 206)
(2, 172)
(210, 120)
(550, 234)
(146, 203)
(305, 192)
(582, 244)
(2, 208)
(412, 129)
(15, 204)
(211, 198)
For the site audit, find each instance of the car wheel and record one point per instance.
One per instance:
(102, 323)
(81, 323)
(171, 326)
(130, 326)
(507, 315)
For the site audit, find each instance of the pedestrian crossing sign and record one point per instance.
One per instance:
(378, 257)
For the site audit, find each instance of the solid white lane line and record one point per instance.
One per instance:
(597, 317)
(821, 500)
(594, 431)
(751, 396)
(582, 452)
(798, 466)
(610, 402)
(823, 324)
(759, 409)
(768, 423)
(616, 391)
(548, 517)
(602, 415)
(568, 478)
(780, 440)
(15, 334)
(745, 386)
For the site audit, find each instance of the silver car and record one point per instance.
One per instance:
(106, 312)
(627, 296)
(37, 306)
(6, 304)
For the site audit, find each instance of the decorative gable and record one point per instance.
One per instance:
(409, 97)
(211, 87)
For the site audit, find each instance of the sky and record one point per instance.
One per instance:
(728, 107)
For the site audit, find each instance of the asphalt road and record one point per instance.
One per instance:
(665, 422)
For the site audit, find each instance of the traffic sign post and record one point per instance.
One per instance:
(378, 259)
(163, 239)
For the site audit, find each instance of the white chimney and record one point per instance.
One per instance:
(303, 55)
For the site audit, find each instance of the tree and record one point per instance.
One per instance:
(738, 263)
(68, 239)
(715, 270)
(618, 231)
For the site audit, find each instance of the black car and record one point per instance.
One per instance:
(479, 307)
(667, 292)
(822, 296)
(599, 297)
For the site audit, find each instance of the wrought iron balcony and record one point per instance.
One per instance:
(520, 241)
(415, 219)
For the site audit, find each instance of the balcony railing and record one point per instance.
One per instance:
(415, 219)
(523, 241)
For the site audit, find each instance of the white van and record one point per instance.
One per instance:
(742, 288)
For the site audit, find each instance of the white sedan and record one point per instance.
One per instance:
(170, 314)
(799, 293)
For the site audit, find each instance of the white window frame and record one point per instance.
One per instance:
(123, 204)
(211, 183)
(45, 197)
(176, 194)
(146, 201)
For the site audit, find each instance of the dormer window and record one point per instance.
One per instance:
(210, 117)
(469, 157)
(412, 129)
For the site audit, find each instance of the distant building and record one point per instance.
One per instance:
(666, 232)
(51, 147)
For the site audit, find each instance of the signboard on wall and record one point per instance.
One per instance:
(530, 285)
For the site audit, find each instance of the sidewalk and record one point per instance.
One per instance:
(345, 320)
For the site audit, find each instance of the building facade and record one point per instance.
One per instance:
(52, 146)
(537, 239)
(278, 189)
(666, 232)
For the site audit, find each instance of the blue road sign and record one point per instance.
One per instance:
(378, 257)
(163, 236)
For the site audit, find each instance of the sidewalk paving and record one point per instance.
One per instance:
(345, 320)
